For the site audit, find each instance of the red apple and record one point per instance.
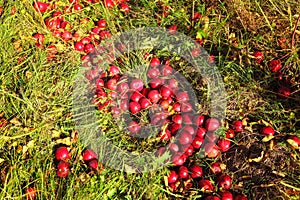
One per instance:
(109, 3)
(124, 7)
(274, 65)
(134, 107)
(93, 164)
(268, 131)
(237, 126)
(144, 102)
(201, 132)
(230, 134)
(79, 46)
(185, 138)
(134, 127)
(177, 118)
(66, 35)
(89, 48)
(215, 168)
(176, 107)
(197, 142)
(258, 55)
(224, 144)
(137, 84)
(205, 185)
(62, 153)
(153, 73)
(165, 135)
(40, 6)
(155, 62)
(102, 24)
(240, 197)
(174, 148)
(111, 84)
(199, 120)
(224, 181)
(173, 177)
(172, 29)
(63, 169)
(183, 172)
(196, 171)
(136, 96)
(284, 91)
(188, 150)
(227, 196)
(211, 150)
(89, 155)
(179, 160)
(212, 124)
(174, 128)
(166, 70)
(153, 96)
(182, 97)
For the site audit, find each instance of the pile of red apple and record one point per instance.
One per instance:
(63, 29)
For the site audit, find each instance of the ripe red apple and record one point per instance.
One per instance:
(237, 126)
(227, 196)
(135, 96)
(174, 148)
(89, 155)
(62, 153)
(212, 124)
(172, 29)
(153, 73)
(166, 70)
(197, 142)
(93, 164)
(179, 160)
(176, 107)
(201, 132)
(173, 177)
(66, 35)
(174, 127)
(124, 104)
(294, 141)
(39, 39)
(113, 70)
(230, 134)
(224, 181)
(165, 135)
(137, 84)
(196, 171)
(144, 102)
(188, 150)
(78, 7)
(111, 84)
(258, 55)
(30, 193)
(124, 7)
(211, 150)
(134, 127)
(274, 65)
(155, 62)
(215, 168)
(102, 24)
(153, 96)
(268, 131)
(186, 107)
(134, 107)
(182, 97)
(104, 35)
(40, 6)
(109, 3)
(155, 83)
(224, 144)
(185, 138)
(173, 84)
(205, 185)
(177, 118)
(79, 46)
(199, 120)
(196, 16)
(183, 172)
(89, 48)
(63, 169)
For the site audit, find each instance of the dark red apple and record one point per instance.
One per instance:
(294, 141)
(183, 172)
(177, 118)
(165, 91)
(153, 73)
(201, 132)
(197, 142)
(179, 160)
(155, 62)
(182, 97)
(155, 83)
(199, 120)
(268, 131)
(227, 196)
(165, 135)
(188, 150)
(224, 181)
(176, 107)
(240, 197)
(153, 96)
(173, 84)
(166, 70)
(89, 155)
(40, 6)
(211, 150)
(215, 168)
(134, 107)
(237, 126)
(284, 91)
(137, 84)
(186, 107)
(93, 164)
(185, 138)
(173, 177)
(62, 153)
(63, 169)
(274, 65)
(224, 144)
(112, 84)
(259, 56)
(212, 124)
(174, 127)
(79, 46)
(205, 185)
(134, 127)
(196, 171)
(212, 198)
(144, 102)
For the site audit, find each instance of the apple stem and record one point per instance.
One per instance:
(293, 36)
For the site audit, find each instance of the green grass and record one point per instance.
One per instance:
(36, 97)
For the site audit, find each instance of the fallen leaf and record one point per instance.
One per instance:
(15, 121)
(258, 159)
(66, 141)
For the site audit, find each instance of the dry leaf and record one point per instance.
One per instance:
(15, 121)
(258, 159)
(66, 141)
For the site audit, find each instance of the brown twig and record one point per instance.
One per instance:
(293, 36)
